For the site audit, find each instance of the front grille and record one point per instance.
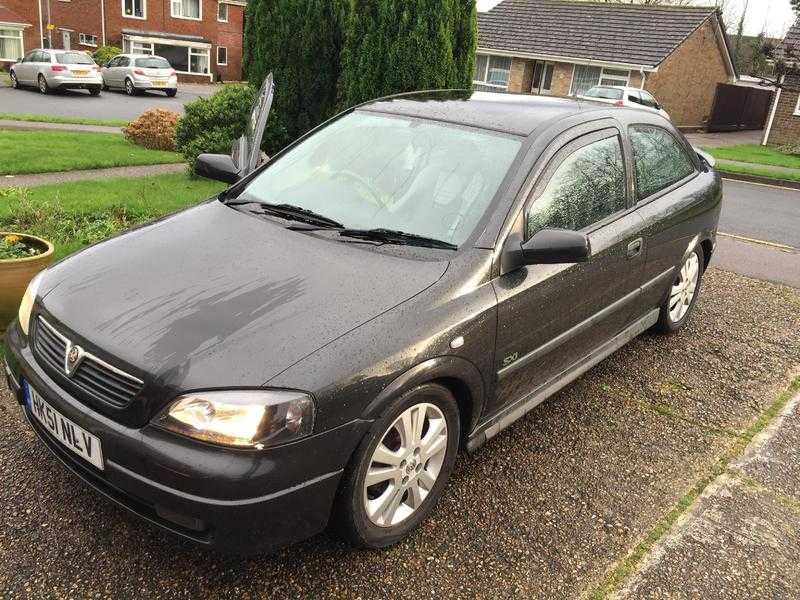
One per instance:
(93, 377)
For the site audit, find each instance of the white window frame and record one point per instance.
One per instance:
(484, 82)
(19, 37)
(173, 3)
(222, 64)
(227, 8)
(132, 16)
(83, 37)
(137, 44)
(616, 79)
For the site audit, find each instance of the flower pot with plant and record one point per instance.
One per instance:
(21, 258)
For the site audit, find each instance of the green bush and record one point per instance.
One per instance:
(105, 53)
(212, 124)
(299, 41)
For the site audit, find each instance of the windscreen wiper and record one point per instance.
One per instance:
(391, 236)
(289, 211)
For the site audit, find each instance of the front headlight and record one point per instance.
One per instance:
(242, 418)
(26, 306)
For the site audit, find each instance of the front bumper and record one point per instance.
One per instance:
(233, 500)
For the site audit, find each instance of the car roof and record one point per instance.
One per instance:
(518, 114)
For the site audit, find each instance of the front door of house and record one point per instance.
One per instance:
(542, 77)
(66, 39)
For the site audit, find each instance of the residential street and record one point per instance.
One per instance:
(764, 213)
(109, 105)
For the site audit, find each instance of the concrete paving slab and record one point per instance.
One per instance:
(738, 542)
(64, 176)
(768, 263)
(36, 126)
(726, 138)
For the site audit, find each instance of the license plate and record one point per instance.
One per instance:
(80, 73)
(77, 439)
(159, 83)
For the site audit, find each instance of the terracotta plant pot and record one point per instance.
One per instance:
(16, 274)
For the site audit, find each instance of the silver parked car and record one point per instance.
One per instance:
(51, 70)
(624, 96)
(135, 73)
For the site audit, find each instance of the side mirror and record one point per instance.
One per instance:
(217, 166)
(556, 246)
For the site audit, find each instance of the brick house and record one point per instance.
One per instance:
(563, 47)
(202, 39)
(17, 31)
(783, 124)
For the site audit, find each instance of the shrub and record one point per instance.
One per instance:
(105, 53)
(300, 42)
(154, 129)
(212, 124)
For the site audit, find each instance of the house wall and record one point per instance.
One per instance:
(29, 11)
(786, 125)
(686, 82)
(73, 18)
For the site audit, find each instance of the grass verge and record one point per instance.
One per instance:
(45, 151)
(626, 567)
(759, 171)
(756, 154)
(76, 214)
(31, 118)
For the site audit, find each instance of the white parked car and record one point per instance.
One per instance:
(624, 96)
(135, 73)
(51, 70)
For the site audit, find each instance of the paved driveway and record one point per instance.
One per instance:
(109, 105)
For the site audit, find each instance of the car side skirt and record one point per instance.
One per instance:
(521, 407)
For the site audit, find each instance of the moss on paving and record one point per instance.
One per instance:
(625, 568)
(34, 118)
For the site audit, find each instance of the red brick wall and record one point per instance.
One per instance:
(29, 11)
(72, 18)
(786, 125)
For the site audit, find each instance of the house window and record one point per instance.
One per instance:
(491, 72)
(222, 13)
(222, 55)
(10, 44)
(184, 59)
(615, 77)
(586, 76)
(796, 106)
(134, 9)
(87, 39)
(186, 9)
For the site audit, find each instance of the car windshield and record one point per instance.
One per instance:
(155, 62)
(606, 93)
(73, 58)
(370, 171)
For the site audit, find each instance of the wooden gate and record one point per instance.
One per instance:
(739, 107)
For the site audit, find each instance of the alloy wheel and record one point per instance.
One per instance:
(42, 84)
(14, 82)
(683, 290)
(128, 87)
(405, 465)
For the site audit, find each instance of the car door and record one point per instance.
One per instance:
(107, 71)
(120, 71)
(551, 316)
(32, 67)
(670, 197)
(41, 65)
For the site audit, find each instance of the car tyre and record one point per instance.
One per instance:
(43, 87)
(104, 87)
(682, 294)
(171, 93)
(406, 491)
(14, 81)
(130, 89)
(95, 91)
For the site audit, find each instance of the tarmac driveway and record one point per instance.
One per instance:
(546, 510)
(109, 105)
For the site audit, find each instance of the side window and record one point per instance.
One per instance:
(112, 63)
(633, 96)
(648, 100)
(124, 61)
(660, 160)
(30, 57)
(587, 186)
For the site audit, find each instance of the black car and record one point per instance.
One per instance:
(317, 343)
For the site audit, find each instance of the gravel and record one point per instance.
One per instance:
(544, 510)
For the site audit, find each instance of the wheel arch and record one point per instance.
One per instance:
(460, 376)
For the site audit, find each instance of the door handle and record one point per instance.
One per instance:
(635, 248)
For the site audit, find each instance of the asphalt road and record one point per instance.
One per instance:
(770, 218)
(545, 510)
(109, 105)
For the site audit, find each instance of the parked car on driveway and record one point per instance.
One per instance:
(136, 73)
(51, 70)
(625, 96)
(316, 343)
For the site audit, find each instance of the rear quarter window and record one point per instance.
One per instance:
(659, 158)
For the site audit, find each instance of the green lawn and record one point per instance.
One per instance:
(758, 170)
(73, 215)
(57, 119)
(43, 151)
(753, 153)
